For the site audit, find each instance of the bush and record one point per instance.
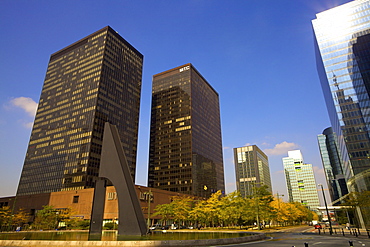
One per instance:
(83, 224)
(110, 226)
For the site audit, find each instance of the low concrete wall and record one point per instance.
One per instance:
(197, 242)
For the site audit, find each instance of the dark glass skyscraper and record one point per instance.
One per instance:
(342, 52)
(332, 162)
(93, 81)
(185, 134)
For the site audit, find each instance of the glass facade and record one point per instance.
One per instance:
(88, 83)
(332, 162)
(251, 169)
(185, 134)
(342, 52)
(300, 181)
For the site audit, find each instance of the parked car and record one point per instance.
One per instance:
(170, 227)
(318, 226)
(155, 227)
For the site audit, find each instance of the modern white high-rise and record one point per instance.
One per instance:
(300, 180)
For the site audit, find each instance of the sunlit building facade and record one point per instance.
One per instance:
(185, 134)
(343, 62)
(95, 80)
(300, 180)
(251, 169)
(332, 162)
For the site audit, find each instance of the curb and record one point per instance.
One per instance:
(197, 242)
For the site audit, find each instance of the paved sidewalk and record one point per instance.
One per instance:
(338, 232)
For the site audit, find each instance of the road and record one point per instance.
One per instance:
(298, 237)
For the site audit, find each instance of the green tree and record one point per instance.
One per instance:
(235, 210)
(181, 207)
(198, 213)
(260, 202)
(83, 224)
(362, 201)
(212, 209)
(165, 211)
(46, 218)
(110, 226)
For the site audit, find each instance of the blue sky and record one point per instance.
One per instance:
(257, 54)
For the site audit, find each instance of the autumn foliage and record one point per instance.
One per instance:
(258, 210)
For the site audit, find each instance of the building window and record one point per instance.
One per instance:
(75, 199)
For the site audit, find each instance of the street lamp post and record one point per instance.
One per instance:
(327, 210)
(149, 199)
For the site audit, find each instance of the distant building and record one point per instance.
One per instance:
(92, 81)
(185, 153)
(251, 169)
(332, 162)
(342, 43)
(300, 181)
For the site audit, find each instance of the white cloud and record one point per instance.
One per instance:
(28, 125)
(27, 104)
(281, 148)
(279, 172)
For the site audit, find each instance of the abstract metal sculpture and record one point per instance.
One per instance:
(113, 166)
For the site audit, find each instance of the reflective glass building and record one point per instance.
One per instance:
(332, 162)
(343, 63)
(251, 169)
(185, 134)
(300, 180)
(95, 80)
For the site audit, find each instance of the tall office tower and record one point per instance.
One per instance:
(95, 80)
(185, 134)
(300, 180)
(251, 169)
(342, 56)
(332, 162)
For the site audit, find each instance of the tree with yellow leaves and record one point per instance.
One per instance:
(9, 221)
(181, 207)
(165, 211)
